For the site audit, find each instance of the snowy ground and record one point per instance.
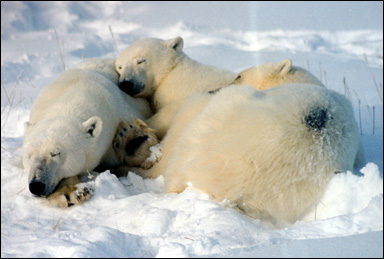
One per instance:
(131, 217)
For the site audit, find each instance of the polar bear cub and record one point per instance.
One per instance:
(160, 70)
(73, 122)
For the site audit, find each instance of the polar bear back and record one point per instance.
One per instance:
(188, 78)
(264, 150)
(73, 93)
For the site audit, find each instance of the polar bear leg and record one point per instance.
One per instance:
(161, 120)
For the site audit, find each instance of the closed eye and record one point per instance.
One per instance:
(55, 154)
(140, 61)
(238, 77)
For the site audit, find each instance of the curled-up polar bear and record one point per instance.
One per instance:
(271, 153)
(72, 125)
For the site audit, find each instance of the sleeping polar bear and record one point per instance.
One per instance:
(71, 128)
(160, 70)
(270, 152)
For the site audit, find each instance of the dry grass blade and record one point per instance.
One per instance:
(10, 101)
(56, 226)
(3, 148)
(378, 89)
(114, 40)
(325, 79)
(3, 89)
(60, 51)
(307, 55)
(347, 92)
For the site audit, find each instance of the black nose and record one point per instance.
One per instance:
(131, 87)
(37, 188)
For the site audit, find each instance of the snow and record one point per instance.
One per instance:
(156, 154)
(132, 217)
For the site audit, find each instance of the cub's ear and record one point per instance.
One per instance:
(176, 43)
(284, 67)
(27, 126)
(93, 126)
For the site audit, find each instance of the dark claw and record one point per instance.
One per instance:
(67, 197)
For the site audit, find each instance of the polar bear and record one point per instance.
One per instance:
(160, 70)
(269, 152)
(73, 122)
(269, 75)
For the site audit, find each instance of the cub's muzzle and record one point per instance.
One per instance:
(131, 87)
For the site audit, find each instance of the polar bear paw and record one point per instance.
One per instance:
(132, 143)
(68, 196)
(156, 154)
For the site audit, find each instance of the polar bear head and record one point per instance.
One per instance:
(145, 63)
(274, 74)
(54, 149)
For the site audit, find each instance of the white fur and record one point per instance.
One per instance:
(260, 77)
(168, 76)
(254, 149)
(269, 75)
(73, 122)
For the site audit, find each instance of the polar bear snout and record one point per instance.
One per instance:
(41, 177)
(37, 188)
(131, 87)
(41, 187)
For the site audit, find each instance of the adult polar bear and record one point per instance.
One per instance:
(160, 70)
(272, 152)
(73, 122)
(269, 152)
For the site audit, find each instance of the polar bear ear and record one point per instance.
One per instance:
(176, 43)
(93, 126)
(284, 67)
